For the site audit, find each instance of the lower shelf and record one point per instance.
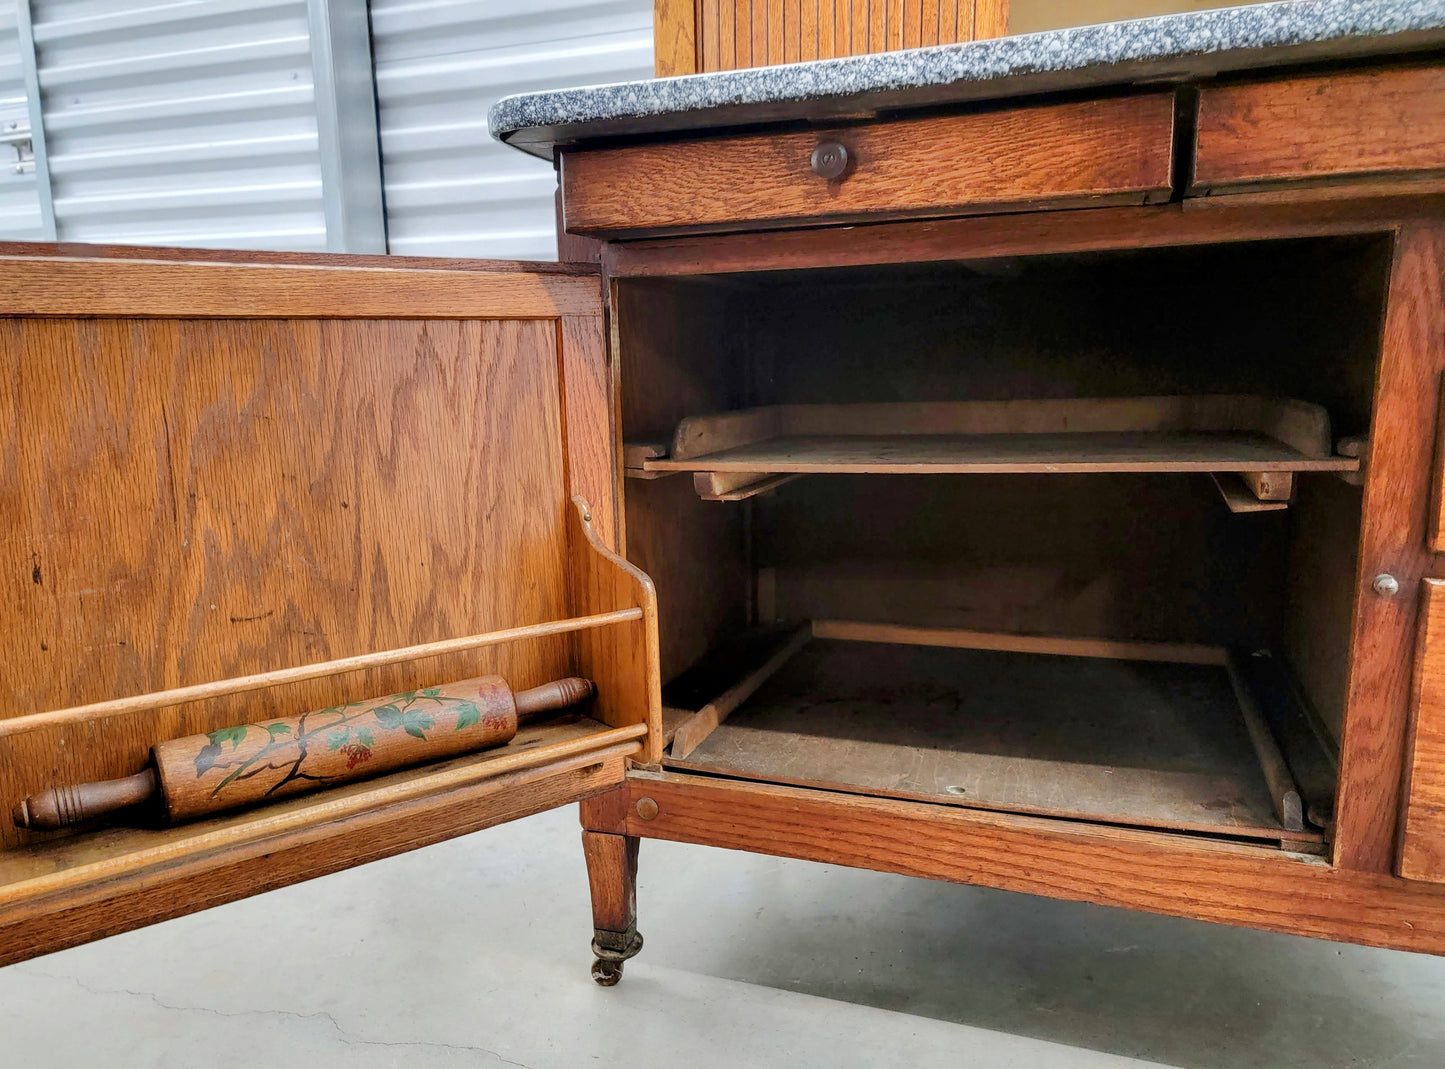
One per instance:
(1152, 743)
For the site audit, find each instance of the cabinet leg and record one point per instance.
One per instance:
(612, 875)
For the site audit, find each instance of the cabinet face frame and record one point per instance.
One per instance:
(420, 321)
(1393, 535)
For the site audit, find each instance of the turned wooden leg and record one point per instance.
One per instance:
(612, 875)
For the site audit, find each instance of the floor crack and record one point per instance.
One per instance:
(347, 1038)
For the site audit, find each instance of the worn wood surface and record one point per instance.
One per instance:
(1284, 795)
(1110, 151)
(1017, 429)
(1392, 540)
(1140, 743)
(1239, 497)
(1140, 452)
(1157, 872)
(1389, 121)
(734, 486)
(1422, 828)
(1050, 645)
(691, 733)
(55, 897)
(612, 879)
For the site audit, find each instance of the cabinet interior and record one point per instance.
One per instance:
(995, 584)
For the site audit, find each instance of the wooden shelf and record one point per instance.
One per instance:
(1142, 734)
(734, 452)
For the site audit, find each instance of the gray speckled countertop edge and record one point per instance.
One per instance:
(1194, 43)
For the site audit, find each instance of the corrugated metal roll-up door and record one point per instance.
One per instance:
(19, 200)
(191, 122)
(440, 64)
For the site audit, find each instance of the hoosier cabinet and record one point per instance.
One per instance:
(1015, 463)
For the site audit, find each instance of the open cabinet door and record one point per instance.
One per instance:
(235, 487)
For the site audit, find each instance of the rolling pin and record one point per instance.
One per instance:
(236, 766)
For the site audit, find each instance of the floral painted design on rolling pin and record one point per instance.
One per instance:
(253, 762)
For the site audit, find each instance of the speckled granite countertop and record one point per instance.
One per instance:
(1117, 53)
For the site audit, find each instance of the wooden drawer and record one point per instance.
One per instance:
(1115, 151)
(1388, 123)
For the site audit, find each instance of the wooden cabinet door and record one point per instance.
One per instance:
(218, 465)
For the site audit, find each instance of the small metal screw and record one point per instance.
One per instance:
(646, 808)
(1386, 585)
(830, 160)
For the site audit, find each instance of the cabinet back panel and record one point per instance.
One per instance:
(1089, 556)
(1290, 319)
(183, 501)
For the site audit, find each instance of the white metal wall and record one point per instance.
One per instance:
(214, 122)
(181, 123)
(450, 189)
(19, 201)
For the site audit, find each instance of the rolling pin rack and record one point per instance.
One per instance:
(612, 639)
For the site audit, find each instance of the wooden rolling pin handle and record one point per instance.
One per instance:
(550, 697)
(61, 807)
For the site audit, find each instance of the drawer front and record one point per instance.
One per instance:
(1113, 151)
(1326, 127)
(1422, 840)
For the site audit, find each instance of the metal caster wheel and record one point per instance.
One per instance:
(606, 973)
(612, 949)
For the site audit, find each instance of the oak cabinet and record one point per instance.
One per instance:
(1086, 552)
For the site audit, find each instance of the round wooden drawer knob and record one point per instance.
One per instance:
(830, 160)
(646, 808)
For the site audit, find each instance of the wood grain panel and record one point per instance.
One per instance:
(893, 25)
(928, 22)
(990, 19)
(1096, 152)
(51, 285)
(1422, 838)
(193, 500)
(1392, 540)
(593, 444)
(858, 27)
(674, 37)
(1160, 873)
(711, 35)
(1326, 126)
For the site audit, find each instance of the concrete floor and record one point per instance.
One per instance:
(473, 953)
